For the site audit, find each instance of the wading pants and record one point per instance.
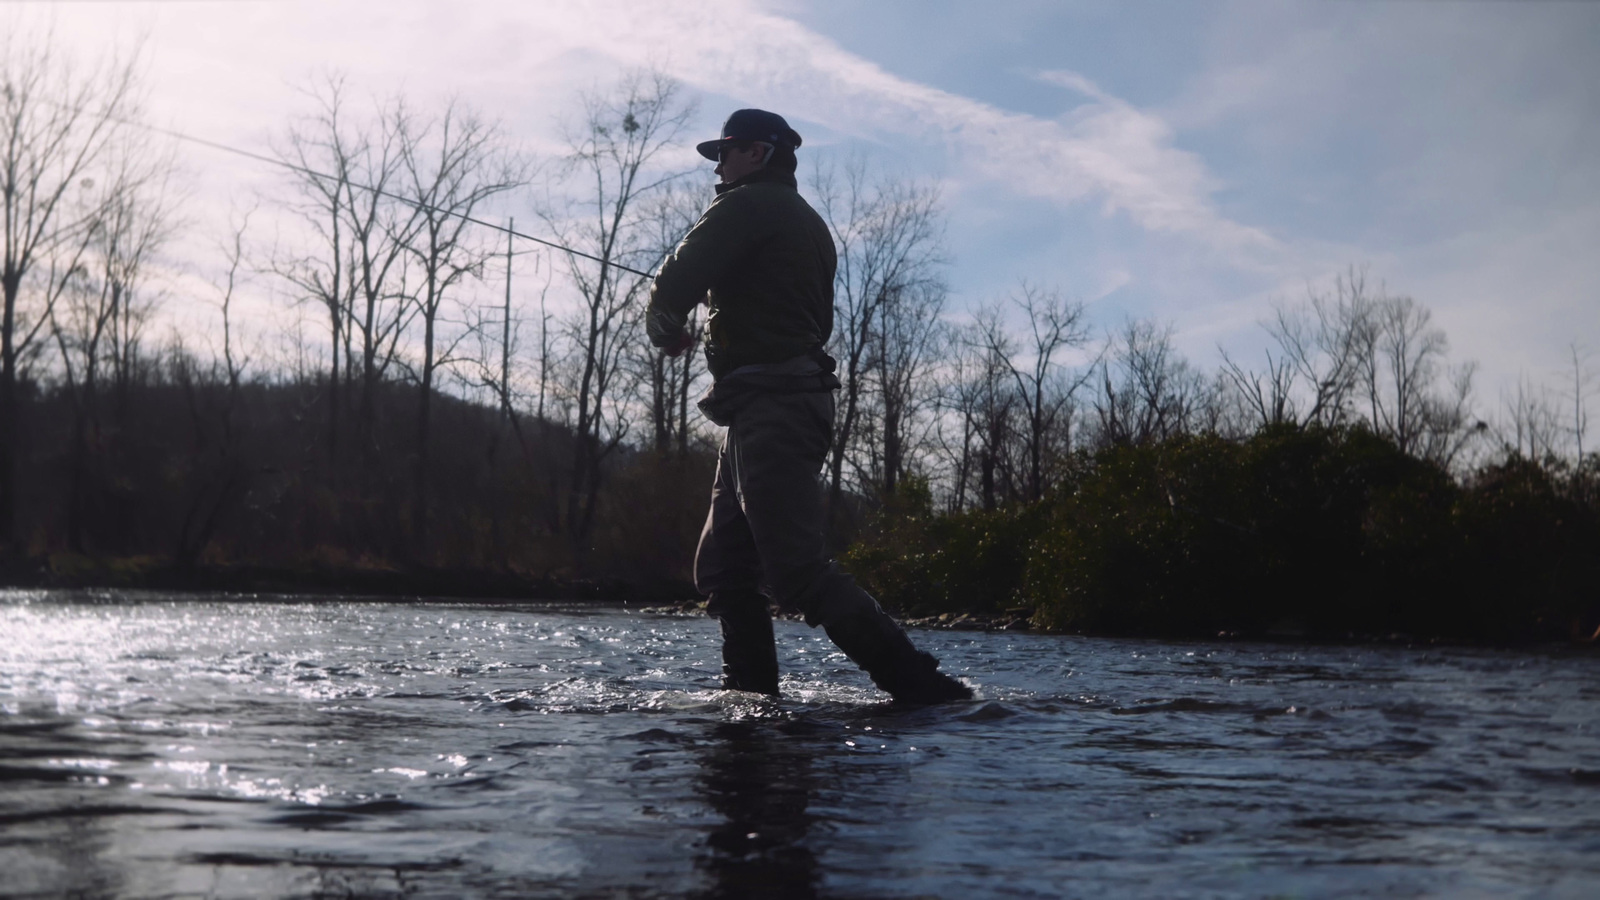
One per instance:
(766, 525)
(765, 532)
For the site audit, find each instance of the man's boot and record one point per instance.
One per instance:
(877, 644)
(749, 651)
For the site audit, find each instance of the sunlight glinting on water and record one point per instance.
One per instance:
(244, 748)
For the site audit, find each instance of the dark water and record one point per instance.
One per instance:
(233, 749)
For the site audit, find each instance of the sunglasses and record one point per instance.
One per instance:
(722, 151)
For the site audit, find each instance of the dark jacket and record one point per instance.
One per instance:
(767, 260)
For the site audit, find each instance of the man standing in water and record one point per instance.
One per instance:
(764, 261)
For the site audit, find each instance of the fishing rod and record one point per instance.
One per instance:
(377, 191)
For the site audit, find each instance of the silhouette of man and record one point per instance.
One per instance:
(764, 261)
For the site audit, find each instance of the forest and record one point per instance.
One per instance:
(456, 402)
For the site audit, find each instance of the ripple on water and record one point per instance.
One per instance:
(158, 748)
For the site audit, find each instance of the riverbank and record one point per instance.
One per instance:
(72, 571)
(663, 596)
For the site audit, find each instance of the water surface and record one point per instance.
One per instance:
(214, 747)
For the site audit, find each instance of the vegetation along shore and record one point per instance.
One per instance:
(423, 402)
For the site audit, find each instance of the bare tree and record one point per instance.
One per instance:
(349, 172)
(382, 227)
(1411, 395)
(1148, 392)
(1583, 380)
(672, 212)
(1055, 324)
(979, 401)
(494, 367)
(1267, 396)
(234, 363)
(614, 155)
(1322, 345)
(319, 147)
(220, 476)
(57, 124)
(888, 233)
(1361, 355)
(97, 318)
(498, 338)
(996, 418)
(959, 386)
(451, 166)
(910, 337)
(1402, 364)
(1534, 427)
(1446, 417)
(139, 216)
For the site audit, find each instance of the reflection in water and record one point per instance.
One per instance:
(760, 782)
(63, 846)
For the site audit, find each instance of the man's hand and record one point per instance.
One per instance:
(676, 346)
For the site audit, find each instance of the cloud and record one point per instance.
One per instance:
(1104, 151)
(1449, 146)
(523, 58)
(1302, 138)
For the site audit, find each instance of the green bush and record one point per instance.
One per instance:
(917, 563)
(1323, 532)
(1529, 549)
(1313, 531)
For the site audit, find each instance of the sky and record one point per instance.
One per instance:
(1189, 162)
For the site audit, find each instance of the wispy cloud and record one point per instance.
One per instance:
(1441, 146)
(1103, 151)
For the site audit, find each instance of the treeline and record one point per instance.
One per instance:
(439, 394)
(1344, 488)
(1295, 530)
(435, 391)
(187, 473)
(420, 410)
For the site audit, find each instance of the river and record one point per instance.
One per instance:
(275, 747)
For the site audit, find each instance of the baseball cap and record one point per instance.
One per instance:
(751, 125)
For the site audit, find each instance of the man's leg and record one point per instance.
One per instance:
(727, 567)
(749, 650)
(777, 447)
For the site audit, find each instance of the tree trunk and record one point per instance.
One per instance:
(9, 431)
(660, 403)
(986, 467)
(583, 438)
(333, 390)
(419, 509)
(892, 450)
(841, 435)
(683, 406)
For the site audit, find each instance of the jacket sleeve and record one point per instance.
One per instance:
(727, 230)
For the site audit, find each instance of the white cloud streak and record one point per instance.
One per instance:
(1285, 89)
(1103, 151)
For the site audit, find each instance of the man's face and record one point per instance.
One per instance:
(739, 160)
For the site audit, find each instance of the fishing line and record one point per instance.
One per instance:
(259, 157)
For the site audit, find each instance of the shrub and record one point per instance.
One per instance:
(917, 563)
(1323, 532)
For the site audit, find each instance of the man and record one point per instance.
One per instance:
(764, 261)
